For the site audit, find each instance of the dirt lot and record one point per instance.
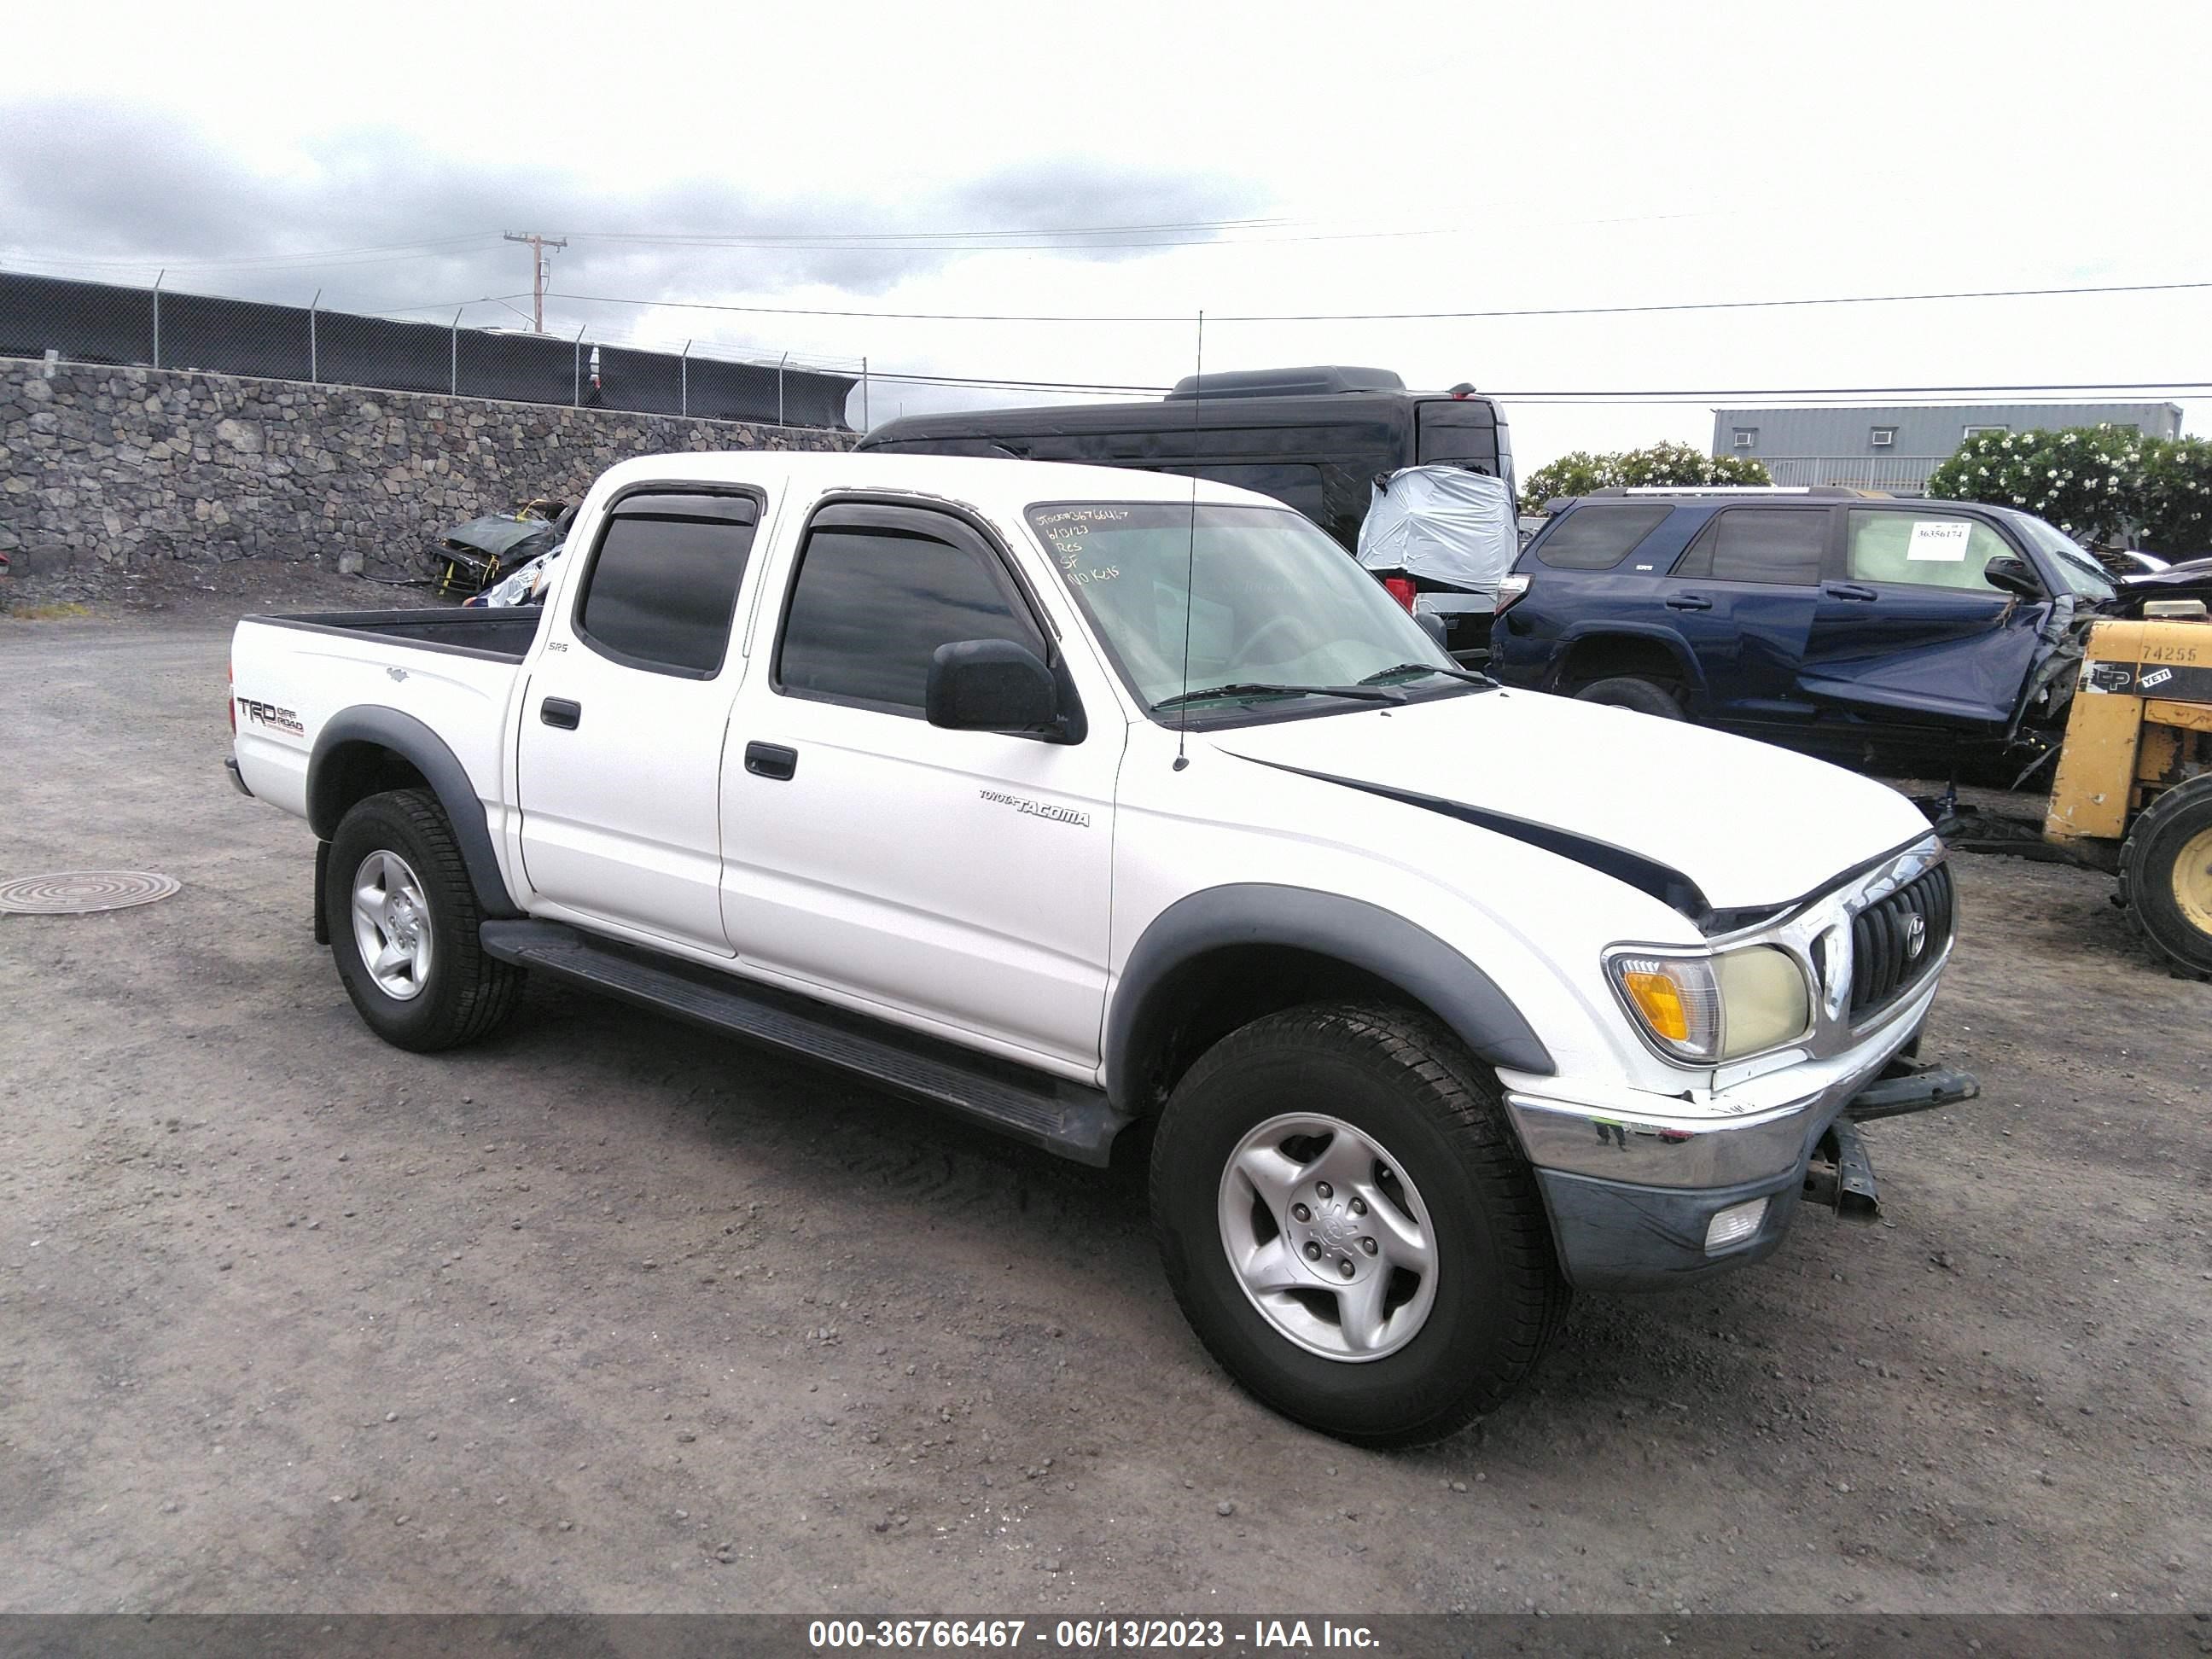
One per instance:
(611, 1314)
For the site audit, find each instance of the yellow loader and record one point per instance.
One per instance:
(2133, 791)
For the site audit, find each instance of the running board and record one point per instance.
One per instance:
(1067, 1118)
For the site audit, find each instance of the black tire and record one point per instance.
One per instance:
(465, 994)
(1407, 1086)
(2150, 863)
(1629, 691)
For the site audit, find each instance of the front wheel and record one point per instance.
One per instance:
(2165, 877)
(403, 921)
(1349, 1226)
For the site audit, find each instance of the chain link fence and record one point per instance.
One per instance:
(101, 323)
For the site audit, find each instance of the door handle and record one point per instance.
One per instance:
(770, 760)
(559, 711)
(1688, 602)
(1850, 590)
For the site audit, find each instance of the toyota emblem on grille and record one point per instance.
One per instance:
(1916, 936)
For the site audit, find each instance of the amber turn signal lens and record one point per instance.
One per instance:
(1660, 1001)
(1720, 1007)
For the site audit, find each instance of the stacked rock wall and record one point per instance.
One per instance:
(124, 465)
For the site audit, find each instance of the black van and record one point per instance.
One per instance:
(1315, 439)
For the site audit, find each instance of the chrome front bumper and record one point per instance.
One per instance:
(1747, 1139)
(1760, 1124)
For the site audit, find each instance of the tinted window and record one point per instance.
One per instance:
(1459, 429)
(994, 449)
(871, 605)
(661, 591)
(1599, 537)
(1171, 439)
(1927, 550)
(1759, 544)
(1294, 485)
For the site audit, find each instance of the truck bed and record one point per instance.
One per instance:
(503, 635)
(453, 672)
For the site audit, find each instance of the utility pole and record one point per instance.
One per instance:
(540, 269)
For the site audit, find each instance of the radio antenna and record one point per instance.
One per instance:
(1190, 553)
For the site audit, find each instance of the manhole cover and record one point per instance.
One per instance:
(78, 892)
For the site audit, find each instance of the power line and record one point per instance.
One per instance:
(1685, 396)
(813, 238)
(447, 305)
(1399, 316)
(1015, 386)
(1719, 305)
(1850, 391)
(1220, 233)
(994, 242)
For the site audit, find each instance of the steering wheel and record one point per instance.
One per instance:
(1252, 647)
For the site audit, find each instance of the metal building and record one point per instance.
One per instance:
(1896, 448)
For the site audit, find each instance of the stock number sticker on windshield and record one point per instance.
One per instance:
(1065, 532)
(1939, 540)
(1082, 515)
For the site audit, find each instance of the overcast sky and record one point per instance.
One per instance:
(930, 158)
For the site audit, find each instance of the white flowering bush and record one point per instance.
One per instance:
(2174, 520)
(2090, 481)
(1663, 465)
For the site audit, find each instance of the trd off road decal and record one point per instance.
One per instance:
(268, 715)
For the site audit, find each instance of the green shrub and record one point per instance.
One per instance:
(2088, 480)
(1663, 464)
(2174, 520)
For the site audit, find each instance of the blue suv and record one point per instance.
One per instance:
(1866, 629)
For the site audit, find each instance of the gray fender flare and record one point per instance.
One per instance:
(426, 751)
(1350, 931)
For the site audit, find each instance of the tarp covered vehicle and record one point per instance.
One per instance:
(1441, 539)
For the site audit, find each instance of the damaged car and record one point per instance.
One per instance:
(1869, 630)
(472, 556)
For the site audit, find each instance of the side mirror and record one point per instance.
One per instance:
(2012, 575)
(1432, 625)
(992, 685)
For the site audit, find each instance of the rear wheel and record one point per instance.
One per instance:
(1632, 691)
(403, 922)
(1350, 1227)
(2165, 877)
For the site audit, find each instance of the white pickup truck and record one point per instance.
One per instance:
(1065, 799)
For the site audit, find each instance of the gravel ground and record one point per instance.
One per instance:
(609, 1314)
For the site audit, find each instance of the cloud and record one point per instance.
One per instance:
(1074, 192)
(121, 190)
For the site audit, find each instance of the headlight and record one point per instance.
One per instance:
(1715, 1008)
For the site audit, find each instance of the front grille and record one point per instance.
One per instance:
(1884, 964)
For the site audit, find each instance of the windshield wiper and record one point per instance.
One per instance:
(1466, 674)
(1261, 688)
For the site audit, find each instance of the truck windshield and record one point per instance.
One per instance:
(1269, 605)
